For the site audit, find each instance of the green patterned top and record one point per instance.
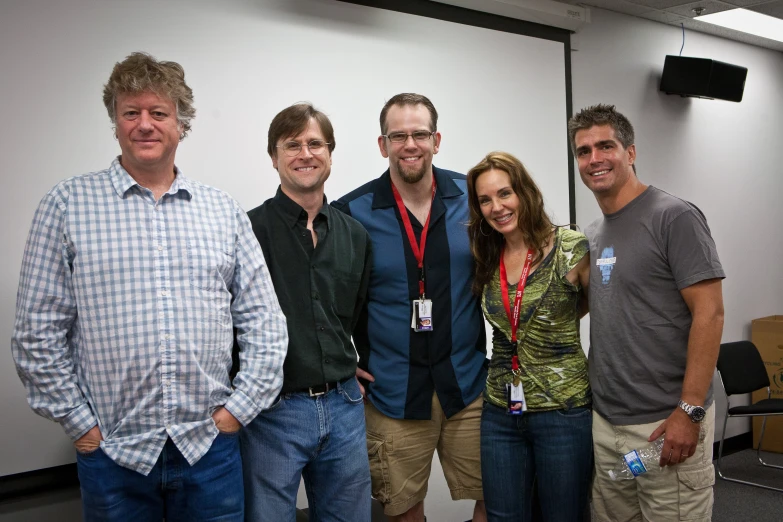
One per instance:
(552, 363)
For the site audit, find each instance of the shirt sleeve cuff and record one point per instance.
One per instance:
(78, 422)
(242, 407)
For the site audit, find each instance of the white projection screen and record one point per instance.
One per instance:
(498, 84)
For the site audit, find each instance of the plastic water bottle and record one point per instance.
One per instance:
(638, 461)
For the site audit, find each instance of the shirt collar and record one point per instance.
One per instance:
(122, 181)
(384, 197)
(292, 212)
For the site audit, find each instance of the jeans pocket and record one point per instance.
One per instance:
(276, 404)
(579, 411)
(378, 453)
(350, 391)
(695, 491)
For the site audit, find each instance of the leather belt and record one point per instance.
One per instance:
(320, 389)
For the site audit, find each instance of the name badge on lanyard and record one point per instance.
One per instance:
(515, 394)
(421, 318)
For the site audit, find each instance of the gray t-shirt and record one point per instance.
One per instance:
(641, 257)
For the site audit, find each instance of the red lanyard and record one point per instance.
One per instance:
(418, 251)
(514, 319)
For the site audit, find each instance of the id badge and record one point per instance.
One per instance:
(422, 315)
(515, 396)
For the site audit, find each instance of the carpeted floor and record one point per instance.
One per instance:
(741, 503)
(733, 502)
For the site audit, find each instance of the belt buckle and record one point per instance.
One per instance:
(318, 393)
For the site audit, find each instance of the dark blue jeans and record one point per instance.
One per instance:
(321, 438)
(209, 491)
(553, 447)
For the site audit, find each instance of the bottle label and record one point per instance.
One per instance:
(635, 463)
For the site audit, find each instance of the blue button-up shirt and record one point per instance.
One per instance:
(126, 309)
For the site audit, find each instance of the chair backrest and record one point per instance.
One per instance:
(741, 368)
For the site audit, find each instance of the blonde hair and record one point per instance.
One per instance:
(140, 72)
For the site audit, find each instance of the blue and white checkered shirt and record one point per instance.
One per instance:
(126, 309)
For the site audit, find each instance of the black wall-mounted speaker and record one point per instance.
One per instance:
(703, 78)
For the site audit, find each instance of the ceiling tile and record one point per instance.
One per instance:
(772, 9)
(664, 17)
(660, 4)
(620, 6)
(746, 3)
(710, 7)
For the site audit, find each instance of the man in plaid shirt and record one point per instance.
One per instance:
(133, 279)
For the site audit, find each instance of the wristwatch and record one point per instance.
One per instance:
(696, 413)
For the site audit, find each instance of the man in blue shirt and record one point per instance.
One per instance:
(421, 341)
(133, 280)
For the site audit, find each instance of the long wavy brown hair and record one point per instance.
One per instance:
(485, 241)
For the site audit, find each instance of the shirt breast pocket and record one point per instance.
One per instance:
(210, 264)
(346, 286)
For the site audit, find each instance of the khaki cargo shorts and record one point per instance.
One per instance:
(401, 454)
(674, 493)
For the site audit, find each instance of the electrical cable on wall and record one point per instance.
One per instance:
(683, 38)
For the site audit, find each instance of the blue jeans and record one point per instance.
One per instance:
(210, 490)
(322, 438)
(553, 447)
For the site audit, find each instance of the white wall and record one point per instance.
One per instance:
(722, 156)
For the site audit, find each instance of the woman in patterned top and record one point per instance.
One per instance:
(537, 364)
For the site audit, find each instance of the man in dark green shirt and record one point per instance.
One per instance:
(319, 259)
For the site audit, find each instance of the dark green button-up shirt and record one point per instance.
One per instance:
(321, 289)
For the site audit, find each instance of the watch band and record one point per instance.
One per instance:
(696, 413)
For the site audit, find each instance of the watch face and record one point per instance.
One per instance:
(698, 414)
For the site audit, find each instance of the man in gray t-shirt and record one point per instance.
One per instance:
(656, 315)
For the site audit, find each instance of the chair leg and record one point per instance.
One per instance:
(720, 456)
(720, 446)
(758, 451)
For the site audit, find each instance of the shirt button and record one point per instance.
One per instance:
(160, 247)
(321, 328)
(167, 383)
(315, 296)
(167, 337)
(327, 361)
(164, 293)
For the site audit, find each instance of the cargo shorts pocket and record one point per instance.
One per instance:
(378, 450)
(695, 491)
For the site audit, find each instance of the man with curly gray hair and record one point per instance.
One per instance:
(133, 282)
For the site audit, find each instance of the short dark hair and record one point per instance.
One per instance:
(601, 114)
(409, 98)
(293, 120)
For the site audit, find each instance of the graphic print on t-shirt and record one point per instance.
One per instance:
(605, 264)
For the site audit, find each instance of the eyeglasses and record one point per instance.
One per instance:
(293, 148)
(402, 137)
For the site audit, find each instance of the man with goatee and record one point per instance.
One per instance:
(421, 341)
